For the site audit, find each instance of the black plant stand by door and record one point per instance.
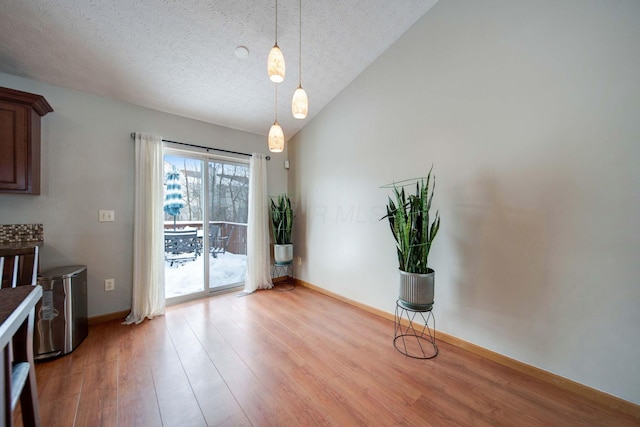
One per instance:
(278, 271)
(415, 332)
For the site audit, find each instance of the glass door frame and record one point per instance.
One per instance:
(205, 158)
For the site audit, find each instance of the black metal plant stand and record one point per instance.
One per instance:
(283, 270)
(414, 338)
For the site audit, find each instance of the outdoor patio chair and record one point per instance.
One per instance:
(217, 242)
(214, 231)
(181, 246)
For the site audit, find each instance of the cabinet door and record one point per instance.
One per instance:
(14, 147)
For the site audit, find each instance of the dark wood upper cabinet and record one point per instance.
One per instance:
(20, 114)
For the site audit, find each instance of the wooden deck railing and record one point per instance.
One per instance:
(237, 242)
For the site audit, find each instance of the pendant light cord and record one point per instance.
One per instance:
(300, 50)
(276, 103)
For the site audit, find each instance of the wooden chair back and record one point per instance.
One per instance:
(19, 267)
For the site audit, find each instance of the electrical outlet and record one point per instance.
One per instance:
(109, 285)
(299, 260)
(106, 216)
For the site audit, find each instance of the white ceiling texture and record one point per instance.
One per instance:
(178, 56)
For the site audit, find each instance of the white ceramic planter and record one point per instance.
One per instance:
(283, 254)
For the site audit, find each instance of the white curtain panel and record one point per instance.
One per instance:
(258, 266)
(148, 231)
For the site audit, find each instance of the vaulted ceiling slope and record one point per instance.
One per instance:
(178, 56)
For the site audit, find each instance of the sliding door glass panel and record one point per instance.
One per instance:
(228, 209)
(183, 226)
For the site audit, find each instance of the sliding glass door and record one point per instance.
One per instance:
(206, 208)
(228, 206)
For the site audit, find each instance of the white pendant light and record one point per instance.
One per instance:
(300, 102)
(275, 61)
(276, 138)
(275, 65)
(276, 135)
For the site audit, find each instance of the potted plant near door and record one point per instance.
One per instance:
(410, 224)
(281, 225)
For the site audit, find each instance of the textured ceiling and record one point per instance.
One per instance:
(178, 56)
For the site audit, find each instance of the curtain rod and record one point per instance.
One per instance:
(133, 136)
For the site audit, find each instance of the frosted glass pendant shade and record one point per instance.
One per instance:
(275, 65)
(300, 103)
(276, 138)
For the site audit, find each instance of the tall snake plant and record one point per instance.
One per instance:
(281, 220)
(409, 222)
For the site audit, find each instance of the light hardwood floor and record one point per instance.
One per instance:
(294, 358)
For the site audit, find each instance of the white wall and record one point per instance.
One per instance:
(530, 114)
(87, 165)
